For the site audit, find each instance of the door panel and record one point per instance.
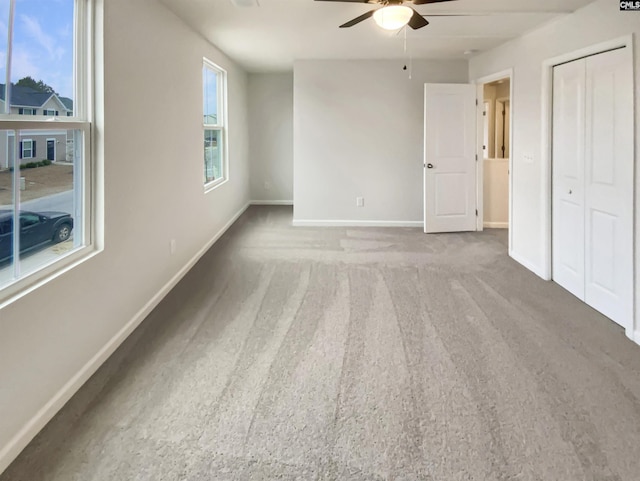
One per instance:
(51, 150)
(609, 185)
(450, 150)
(603, 228)
(568, 176)
(450, 198)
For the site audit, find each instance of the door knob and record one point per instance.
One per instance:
(429, 166)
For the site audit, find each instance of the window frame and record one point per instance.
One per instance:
(22, 149)
(221, 122)
(81, 121)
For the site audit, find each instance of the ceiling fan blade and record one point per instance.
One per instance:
(425, 2)
(357, 19)
(417, 21)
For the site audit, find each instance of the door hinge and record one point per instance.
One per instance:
(476, 212)
(476, 157)
(476, 102)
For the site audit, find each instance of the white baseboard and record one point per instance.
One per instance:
(356, 223)
(496, 225)
(529, 265)
(271, 202)
(9, 452)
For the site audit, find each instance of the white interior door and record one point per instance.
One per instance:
(450, 158)
(593, 182)
(569, 83)
(609, 185)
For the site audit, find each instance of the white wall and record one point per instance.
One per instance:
(598, 22)
(358, 132)
(271, 136)
(152, 170)
(495, 200)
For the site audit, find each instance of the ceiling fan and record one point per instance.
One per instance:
(392, 14)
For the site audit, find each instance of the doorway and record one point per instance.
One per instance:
(494, 132)
(51, 150)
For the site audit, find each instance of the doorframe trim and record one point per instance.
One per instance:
(546, 154)
(510, 74)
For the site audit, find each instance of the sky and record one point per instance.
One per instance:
(42, 42)
(209, 80)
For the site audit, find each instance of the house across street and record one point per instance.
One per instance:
(54, 145)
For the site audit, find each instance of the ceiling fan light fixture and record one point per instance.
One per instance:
(392, 17)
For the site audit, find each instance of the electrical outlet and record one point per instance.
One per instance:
(359, 201)
(172, 246)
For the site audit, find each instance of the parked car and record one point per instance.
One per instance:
(37, 229)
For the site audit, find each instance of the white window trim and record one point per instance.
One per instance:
(222, 122)
(82, 120)
(22, 149)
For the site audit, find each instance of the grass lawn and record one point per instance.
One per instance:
(39, 182)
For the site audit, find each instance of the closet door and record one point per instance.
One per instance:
(609, 185)
(593, 182)
(569, 85)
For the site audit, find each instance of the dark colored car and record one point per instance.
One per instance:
(36, 229)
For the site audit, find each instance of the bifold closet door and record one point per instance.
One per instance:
(609, 185)
(593, 182)
(569, 83)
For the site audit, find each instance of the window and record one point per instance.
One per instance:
(28, 149)
(214, 81)
(45, 220)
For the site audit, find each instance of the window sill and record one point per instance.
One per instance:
(214, 185)
(19, 288)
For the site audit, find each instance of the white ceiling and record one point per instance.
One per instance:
(277, 32)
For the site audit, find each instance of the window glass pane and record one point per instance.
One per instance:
(7, 146)
(42, 56)
(4, 26)
(213, 155)
(210, 82)
(49, 187)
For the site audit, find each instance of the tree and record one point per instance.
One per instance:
(40, 86)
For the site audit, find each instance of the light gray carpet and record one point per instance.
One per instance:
(355, 354)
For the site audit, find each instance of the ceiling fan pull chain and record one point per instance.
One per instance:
(406, 54)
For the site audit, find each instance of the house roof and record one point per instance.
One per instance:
(67, 102)
(28, 97)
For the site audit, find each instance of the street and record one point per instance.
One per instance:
(62, 202)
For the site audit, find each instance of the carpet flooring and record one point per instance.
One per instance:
(355, 354)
